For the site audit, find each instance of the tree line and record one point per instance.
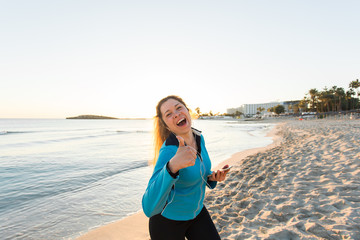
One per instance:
(334, 99)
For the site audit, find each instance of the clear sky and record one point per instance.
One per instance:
(61, 58)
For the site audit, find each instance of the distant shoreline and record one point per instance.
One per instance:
(91, 117)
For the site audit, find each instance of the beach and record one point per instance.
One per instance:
(305, 185)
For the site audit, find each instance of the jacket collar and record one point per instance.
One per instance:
(172, 140)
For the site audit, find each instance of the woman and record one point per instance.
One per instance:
(174, 197)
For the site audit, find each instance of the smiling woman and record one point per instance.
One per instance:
(174, 108)
(161, 131)
(174, 197)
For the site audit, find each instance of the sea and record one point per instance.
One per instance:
(61, 178)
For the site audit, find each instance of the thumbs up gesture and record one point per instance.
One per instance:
(184, 157)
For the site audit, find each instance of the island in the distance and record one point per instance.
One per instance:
(91, 117)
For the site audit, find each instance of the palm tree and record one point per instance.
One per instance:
(322, 101)
(279, 109)
(355, 85)
(295, 108)
(260, 109)
(313, 95)
(303, 105)
(349, 93)
(326, 98)
(340, 93)
(332, 92)
(238, 113)
(197, 110)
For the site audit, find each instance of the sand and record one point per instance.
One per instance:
(306, 185)
(134, 227)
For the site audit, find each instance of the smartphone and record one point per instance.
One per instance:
(226, 169)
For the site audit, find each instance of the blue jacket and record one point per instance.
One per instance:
(180, 198)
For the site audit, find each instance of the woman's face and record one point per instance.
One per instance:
(176, 116)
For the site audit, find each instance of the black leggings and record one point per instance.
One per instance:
(201, 227)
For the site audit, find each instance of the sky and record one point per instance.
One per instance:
(64, 58)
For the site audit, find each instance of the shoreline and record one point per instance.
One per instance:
(135, 226)
(236, 158)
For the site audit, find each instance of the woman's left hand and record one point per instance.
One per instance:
(218, 175)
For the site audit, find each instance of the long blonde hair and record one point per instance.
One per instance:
(161, 132)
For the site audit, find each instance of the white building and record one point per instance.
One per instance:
(252, 109)
(233, 110)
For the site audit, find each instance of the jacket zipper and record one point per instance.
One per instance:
(201, 186)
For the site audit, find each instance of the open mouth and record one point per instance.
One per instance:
(181, 122)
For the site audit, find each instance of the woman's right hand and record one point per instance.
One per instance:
(184, 157)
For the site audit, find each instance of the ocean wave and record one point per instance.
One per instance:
(133, 131)
(69, 131)
(40, 188)
(61, 139)
(13, 132)
(77, 137)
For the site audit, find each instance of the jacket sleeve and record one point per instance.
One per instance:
(160, 185)
(211, 184)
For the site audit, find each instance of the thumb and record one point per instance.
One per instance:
(181, 141)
